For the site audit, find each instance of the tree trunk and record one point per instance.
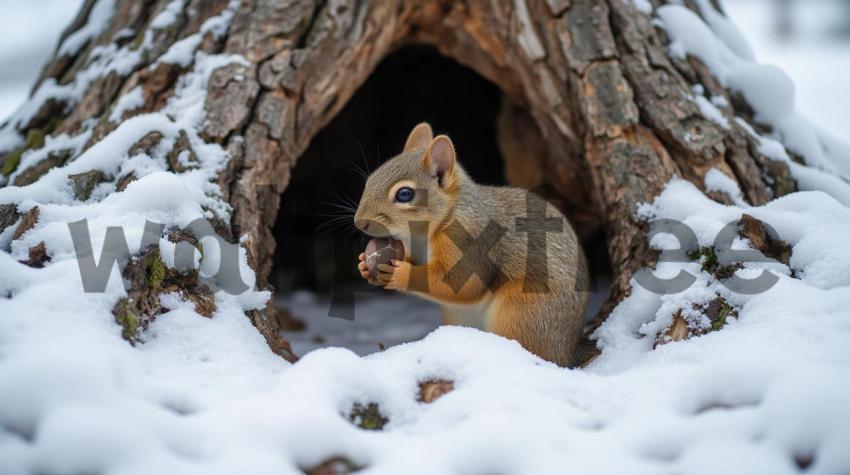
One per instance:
(589, 86)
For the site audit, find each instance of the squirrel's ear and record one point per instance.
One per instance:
(440, 159)
(419, 137)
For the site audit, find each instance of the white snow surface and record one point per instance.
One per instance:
(412, 319)
(708, 108)
(643, 6)
(715, 180)
(205, 395)
(168, 15)
(763, 394)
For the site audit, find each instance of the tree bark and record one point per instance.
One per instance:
(588, 83)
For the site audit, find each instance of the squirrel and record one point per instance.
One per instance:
(483, 260)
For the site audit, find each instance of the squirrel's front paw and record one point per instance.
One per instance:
(394, 276)
(364, 270)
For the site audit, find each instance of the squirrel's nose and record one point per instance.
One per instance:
(362, 224)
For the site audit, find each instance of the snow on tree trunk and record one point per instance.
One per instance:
(228, 94)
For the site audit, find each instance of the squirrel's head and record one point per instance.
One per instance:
(416, 187)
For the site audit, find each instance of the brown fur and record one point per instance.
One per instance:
(547, 323)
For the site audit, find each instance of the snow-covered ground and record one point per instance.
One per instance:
(766, 393)
(379, 321)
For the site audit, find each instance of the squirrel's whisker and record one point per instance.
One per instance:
(357, 169)
(363, 155)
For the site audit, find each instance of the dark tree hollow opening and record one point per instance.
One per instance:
(316, 246)
(316, 243)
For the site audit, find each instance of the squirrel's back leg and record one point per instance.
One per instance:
(548, 325)
(474, 315)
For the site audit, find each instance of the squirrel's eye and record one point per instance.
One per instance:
(404, 194)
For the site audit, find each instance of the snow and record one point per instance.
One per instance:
(708, 108)
(96, 23)
(726, 30)
(799, 217)
(816, 56)
(123, 60)
(767, 88)
(807, 178)
(182, 52)
(218, 25)
(413, 318)
(715, 180)
(813, 179)
(168, 15)
(130, 101)
(174, 403)
(769, 91)
(104, 60)
(643, 6)
(205, 395)
(767, 388)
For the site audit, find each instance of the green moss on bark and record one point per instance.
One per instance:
(35, 140)
(724, 312)
(127, 319)
(367, 417)
(155, 270)
(707, 258)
